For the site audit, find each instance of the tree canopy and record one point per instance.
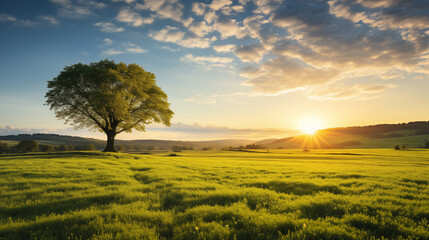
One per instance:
(109, 97)
(27, 146)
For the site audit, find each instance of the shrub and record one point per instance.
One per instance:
(46, 148)
(4, 148)
(27, 146)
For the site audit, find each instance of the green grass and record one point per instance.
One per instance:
(281, 194)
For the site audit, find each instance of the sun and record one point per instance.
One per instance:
(310, 126)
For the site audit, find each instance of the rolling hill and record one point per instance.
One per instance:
(412, 134)
(54, 139)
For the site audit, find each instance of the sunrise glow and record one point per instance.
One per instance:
(310, 126)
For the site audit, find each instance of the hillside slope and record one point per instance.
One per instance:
(412, 134)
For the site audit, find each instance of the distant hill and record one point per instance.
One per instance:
(55, 139)
(412, 134)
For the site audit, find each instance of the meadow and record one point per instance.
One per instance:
(275, 194)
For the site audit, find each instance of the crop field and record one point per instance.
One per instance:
(280, 194)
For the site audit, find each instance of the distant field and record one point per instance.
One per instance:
(13, 143)
(280, 194)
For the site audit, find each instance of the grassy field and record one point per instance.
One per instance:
(280, 194)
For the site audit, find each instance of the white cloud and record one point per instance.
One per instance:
(108, 27)
(344, 11)
(341, 92)
(210, 16)
(170, 49)
(283, 74)
(169, 34)
(112, 51)
(238, 8)
(71, 10)
(228, 27)
(93, 4)
(207, 61)
(224, 48)
(376, 3)
(200, 28)
(134, 48)
(250, 53)
(265, 7)
(7, 18)
(171, 9)
(48, 19)
(14, 20)
(173, 35)
(127, 1)
(198, 8)
(107, 42)
(218, 4)
(133, 18)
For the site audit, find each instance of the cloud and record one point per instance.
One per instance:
(265, 7)
(228, 27)
(108, 27)
(284, 74)
(112, 51)
(399, 19)
(321, 39)
(7, 18)
(72, 10)
(250, 53)
(201, 99)
(107, 42)
(170, 49)
(200, 28)
(48, 19)
(127, 1)
(174, 35)
(412, 4)
(134, 48)
(224, 48)
(9, 130)
(218, 4)
(344, 11)
(341, 92)
(169, 34)
(198, 8)
(16, 21)
(93, 4)
(210, 16)
(385, 18)
(207, 61)
(133, 18)
(171, 9)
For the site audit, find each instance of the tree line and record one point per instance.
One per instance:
(26, 146)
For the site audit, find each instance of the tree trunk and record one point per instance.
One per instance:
(110, 146)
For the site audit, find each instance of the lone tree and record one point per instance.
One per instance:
(109, 97)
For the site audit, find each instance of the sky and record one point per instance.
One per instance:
(242, 69)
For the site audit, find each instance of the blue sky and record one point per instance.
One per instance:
(232, 69)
